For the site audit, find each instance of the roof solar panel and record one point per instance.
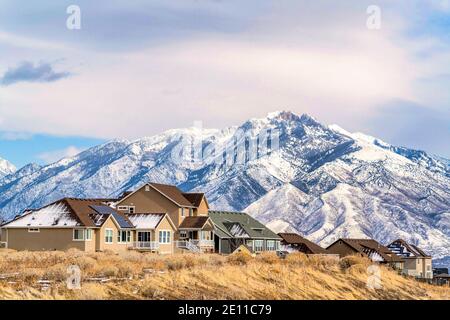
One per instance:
(123, 223)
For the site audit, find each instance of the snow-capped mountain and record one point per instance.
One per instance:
(6, 167)
(289, 171)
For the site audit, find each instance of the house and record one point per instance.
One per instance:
(417, 263)
(187, 211)
(233, 229)
(85, 224)
(367, 248)
(292, 242)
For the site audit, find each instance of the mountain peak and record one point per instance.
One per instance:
(6, 167)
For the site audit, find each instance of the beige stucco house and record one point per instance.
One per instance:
(87, 225)
(187, 211)
(417, 263)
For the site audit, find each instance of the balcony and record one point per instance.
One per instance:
(144, 245)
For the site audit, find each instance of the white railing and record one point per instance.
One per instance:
(203, 243)
(144, 245)
(187, 244)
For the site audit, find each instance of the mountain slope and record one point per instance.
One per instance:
(289, 171)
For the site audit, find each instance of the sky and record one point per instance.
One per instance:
(137, 68)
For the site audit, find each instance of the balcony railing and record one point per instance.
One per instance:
(144, 245)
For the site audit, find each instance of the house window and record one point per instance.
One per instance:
(250, 243)
(131, 209)
(78, 234)
(182, 212)
(259, 245)
(33, 230)
(277, 245)
(183, 234)
(205, 235)
(147, 188)
(88, 234)
(270, 245)
(108, 235)
(144, 236)
(164, 236)
(191, 212)
(122, 208)
(124, 236)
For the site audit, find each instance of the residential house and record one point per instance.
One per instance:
(367, 248)
(187, 211)
(233, 229)
(292, 242)
(417, 263)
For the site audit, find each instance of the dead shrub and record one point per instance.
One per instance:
(58, 272)
(348, 261)
(239, 258)
(268, 257)
(296, 258)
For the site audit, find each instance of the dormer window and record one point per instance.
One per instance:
(147, 188)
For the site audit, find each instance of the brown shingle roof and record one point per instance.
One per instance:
(173, 193)
(193, 222)
(84, 213)
(304, 245)
(194, 198)
(368, 246)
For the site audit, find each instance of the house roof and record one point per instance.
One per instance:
(197, 222)
(169, 191)
(194, 197)
(70, 212)
(146, 220)
(226, 226)
(302, 243)
(406, 250)
(371, 248)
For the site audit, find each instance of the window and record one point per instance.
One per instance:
(144, 236)
(108, 236)
(277, 245)
(205, 235)
(88, 234)
(124, 236)
(270, 245)
(122, 208)
(259, 245)
(183, 234)
(182, 212)
(191, 212)
(33, 230)
(78, 234)
(131, 209)
(164, 236)
(250, 243)
(147, 188)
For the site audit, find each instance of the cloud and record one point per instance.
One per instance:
(411, 125)
(55, 155)
(29, 72)
(14, 136)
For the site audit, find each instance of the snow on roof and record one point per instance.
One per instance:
(145, 221)
(54, 215)
(238, 231)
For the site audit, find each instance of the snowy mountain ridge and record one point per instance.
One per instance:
(6, 168)
(320, 181)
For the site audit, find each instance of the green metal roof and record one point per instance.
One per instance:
(250, 227)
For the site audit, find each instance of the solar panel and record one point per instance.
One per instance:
(103, 209)
(121, 221)
(108, 210)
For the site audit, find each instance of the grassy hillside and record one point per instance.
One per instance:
(132, 275)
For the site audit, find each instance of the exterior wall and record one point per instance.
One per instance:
(101, 244)
(341, 248)
(165, 248)
(153, 202)
(418, 267)
(202, 209)
(2, 235)
(45, 239)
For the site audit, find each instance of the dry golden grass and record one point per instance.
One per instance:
(133, 275)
